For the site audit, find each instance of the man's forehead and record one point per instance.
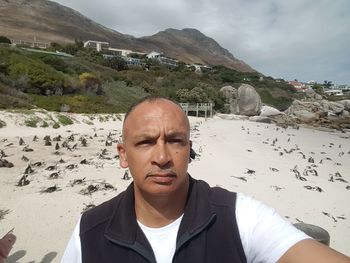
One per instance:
(160, 112)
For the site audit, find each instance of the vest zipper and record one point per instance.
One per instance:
(186, 237)
(137, 247)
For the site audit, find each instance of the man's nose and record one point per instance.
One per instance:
(161, 155)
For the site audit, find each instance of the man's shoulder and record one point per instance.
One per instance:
(218, 195)
(100, 214)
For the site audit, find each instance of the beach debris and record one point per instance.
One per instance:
(84, 142)
(310, 171)
(248, 150)
(48, 143)
(311, 160)
(126, 175)
(108, 186)
(23, 181)
(54, 175)
(5, 163)
(2, 154)
(3, 213)
(330, 216)
(84, 161)
(337, 174)
(77, 181)
(27, 149)
(28, 170)
(24, 158)
(71, 138)
(88, 207)
(37, 164)
(89, 190)
(315, 188)
(240, 178)
(71, 166)
(57, 138)
(250, 171)
(302, 154)
(274, 169)
(276, 187)
(193, 154)
(341, 180)
(50, 189)
(21, 141)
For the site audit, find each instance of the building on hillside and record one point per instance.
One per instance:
(132, 62)
(335, 92)
(166, 61)
(98, 45)
(30, 43)
(299, 86)
(125, 52)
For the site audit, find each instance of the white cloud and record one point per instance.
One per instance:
(300, 39)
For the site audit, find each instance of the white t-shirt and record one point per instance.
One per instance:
(257, 223)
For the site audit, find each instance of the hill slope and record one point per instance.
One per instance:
(48, 21)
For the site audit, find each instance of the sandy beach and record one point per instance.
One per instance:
(303, 173)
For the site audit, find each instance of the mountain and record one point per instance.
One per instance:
(47, 21)
(191, 46)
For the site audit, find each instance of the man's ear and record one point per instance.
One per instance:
(122, 156)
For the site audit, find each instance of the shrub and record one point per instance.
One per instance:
(4, 39)
(64, 120)
(32, 122)
(44, 124)
(56, 125)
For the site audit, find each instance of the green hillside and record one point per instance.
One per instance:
(87, 82)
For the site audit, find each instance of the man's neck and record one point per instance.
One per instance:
(160, 211)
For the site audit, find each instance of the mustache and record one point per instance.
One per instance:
(155, 172)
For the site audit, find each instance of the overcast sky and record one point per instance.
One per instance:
(291, 39)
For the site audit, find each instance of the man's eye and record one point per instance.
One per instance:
(176, 140)
(145, 142)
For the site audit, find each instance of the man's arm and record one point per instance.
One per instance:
(311, 251)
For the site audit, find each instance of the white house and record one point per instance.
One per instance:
(98, 45)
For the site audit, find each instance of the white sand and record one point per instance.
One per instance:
(44, 221)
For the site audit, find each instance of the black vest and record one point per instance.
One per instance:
(208, 231)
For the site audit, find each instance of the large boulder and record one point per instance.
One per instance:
(345, 103)
(248, 101)
(335, 107)
(229, 92)
(267, 111)
(305, 116)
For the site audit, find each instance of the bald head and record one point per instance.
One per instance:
(151, 108)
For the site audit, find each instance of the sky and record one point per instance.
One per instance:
(289, 39)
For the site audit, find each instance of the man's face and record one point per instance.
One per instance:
(156, 147)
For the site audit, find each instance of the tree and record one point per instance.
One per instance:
(4, 39)
(116, 63)
(327, 84)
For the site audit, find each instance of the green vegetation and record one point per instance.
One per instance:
(4, 39)
(56, 125)
(89, 83)
(32, 122)
(64, 120)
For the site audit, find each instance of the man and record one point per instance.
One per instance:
(167, 216)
